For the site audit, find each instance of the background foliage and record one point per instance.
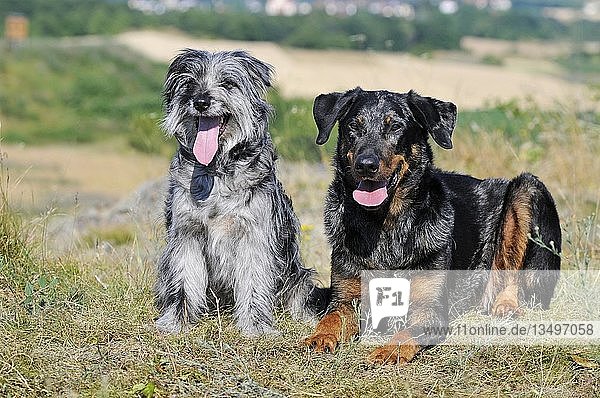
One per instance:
(52, 93)
(430, 30)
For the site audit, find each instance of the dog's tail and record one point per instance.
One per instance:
(305, 299)
(318, 300)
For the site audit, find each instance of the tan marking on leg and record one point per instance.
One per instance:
(341, 324)
(508, 259)
(346, 289)
(427, 287)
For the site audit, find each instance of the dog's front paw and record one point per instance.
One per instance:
(393, 354)
(506, 309)
(400, 350)
(322, 342)
(506, 305)
(169, 324)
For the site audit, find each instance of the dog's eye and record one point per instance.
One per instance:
(186, 87)
(393, 127)
(229, 84)
(355, 132)
(356, 127)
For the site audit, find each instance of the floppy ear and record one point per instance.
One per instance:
(176, 68)
(436, 117)
(328, 109)
(259, 70)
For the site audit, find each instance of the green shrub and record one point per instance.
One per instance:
(490, 59)
(294, 130)
(146, 135)
(52, 93)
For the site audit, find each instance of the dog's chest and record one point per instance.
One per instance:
(220, 212)
(372, 247)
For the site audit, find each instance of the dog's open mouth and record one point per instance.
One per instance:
(207, 137)
(371, 193)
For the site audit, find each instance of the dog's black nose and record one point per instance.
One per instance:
(366, 165)
(202, 103)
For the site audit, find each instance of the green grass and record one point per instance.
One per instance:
(52, 92)
(294, 130)
(113, 235)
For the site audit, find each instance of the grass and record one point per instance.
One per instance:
(113, 235)
(89, 331)
(86, 328)
(60, 92)
(81, 322)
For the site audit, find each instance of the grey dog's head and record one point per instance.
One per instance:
(205, 90)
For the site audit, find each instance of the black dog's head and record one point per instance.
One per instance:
(382, 137)
(207, 94)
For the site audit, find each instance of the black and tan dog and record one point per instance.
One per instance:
(389, 208)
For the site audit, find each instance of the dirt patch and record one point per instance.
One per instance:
(61, 175)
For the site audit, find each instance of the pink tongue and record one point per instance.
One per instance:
(207, 139)
(369, 198)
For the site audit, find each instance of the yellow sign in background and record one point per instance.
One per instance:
(16, 28)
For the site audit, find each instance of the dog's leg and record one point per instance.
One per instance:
(501, 296)
(254, 294)
(426, 309)
(182, 283)
(541, 265)
(341, 321)
(254, 283)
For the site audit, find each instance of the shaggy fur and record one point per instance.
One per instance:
(424, 219)
(238, 248)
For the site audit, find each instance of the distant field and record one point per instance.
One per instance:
(307, 73)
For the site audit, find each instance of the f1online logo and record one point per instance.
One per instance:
(388, 297)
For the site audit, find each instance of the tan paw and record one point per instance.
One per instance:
(506, 308)
(393, 354)
(322, 342)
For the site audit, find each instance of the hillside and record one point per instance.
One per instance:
(307, 73)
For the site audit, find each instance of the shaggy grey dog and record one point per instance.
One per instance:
(231, 230)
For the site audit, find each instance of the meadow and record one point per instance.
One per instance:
(76, 302)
